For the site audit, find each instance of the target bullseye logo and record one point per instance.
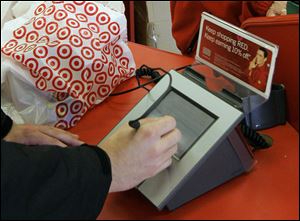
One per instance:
(103, 18)
(40, 9)
(94, 27)
(85, 33)
(50, 10)
(115, 81)
(76, 89)
(20, 32)
(100, 78)
(87, 53)
(104, 37)
(97, 65)
(72, 23)
(118, 51)
(32, 64)
(124, 62)
(11, 44)
(76, 63)
(114, 28)
(91, 98)
(76, 107)
(39, 23)
(53, 62)
(70, 7)
(61, 110)
(61, 96)
(51, 27)
(59, 83)
(81, 17)
(60, 15)
(40, 52)
(32, 36)
(63, 33)
(66, 74)
(46, 73)
(64, 51)
(103, 91)
(96, 44)
(41, 84)
(90, 9)
(76, 41)
(18, 57)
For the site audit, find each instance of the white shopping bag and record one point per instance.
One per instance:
(62, 58)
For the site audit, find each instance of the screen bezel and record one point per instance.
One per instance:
(197, 105)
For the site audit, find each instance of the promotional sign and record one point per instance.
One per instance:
(237, 54)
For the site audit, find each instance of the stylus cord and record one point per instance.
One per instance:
(256, 140)
(144, 71)
(136, 123)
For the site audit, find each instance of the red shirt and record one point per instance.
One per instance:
(258, 77)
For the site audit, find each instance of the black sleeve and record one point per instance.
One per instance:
(6, 124)
(49, 182)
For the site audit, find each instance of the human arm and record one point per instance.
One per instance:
(277, 8)
(52, 182)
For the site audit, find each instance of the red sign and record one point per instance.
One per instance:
(243, 58)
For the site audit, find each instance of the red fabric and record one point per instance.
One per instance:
(186, 16)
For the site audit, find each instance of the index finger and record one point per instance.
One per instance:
(162, 125)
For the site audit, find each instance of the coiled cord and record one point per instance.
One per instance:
(256, 140)
(144, 71)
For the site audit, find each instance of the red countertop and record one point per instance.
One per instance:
(269, 191)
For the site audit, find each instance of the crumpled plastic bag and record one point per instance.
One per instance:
(63, 58)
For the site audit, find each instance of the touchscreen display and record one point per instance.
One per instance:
(192, 119)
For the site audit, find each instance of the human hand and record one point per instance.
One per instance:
(253, 64)
(41, 135)
(138, 155)
(277, 8)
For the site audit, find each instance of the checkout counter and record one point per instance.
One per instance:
(231, 79)
(269, 191)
